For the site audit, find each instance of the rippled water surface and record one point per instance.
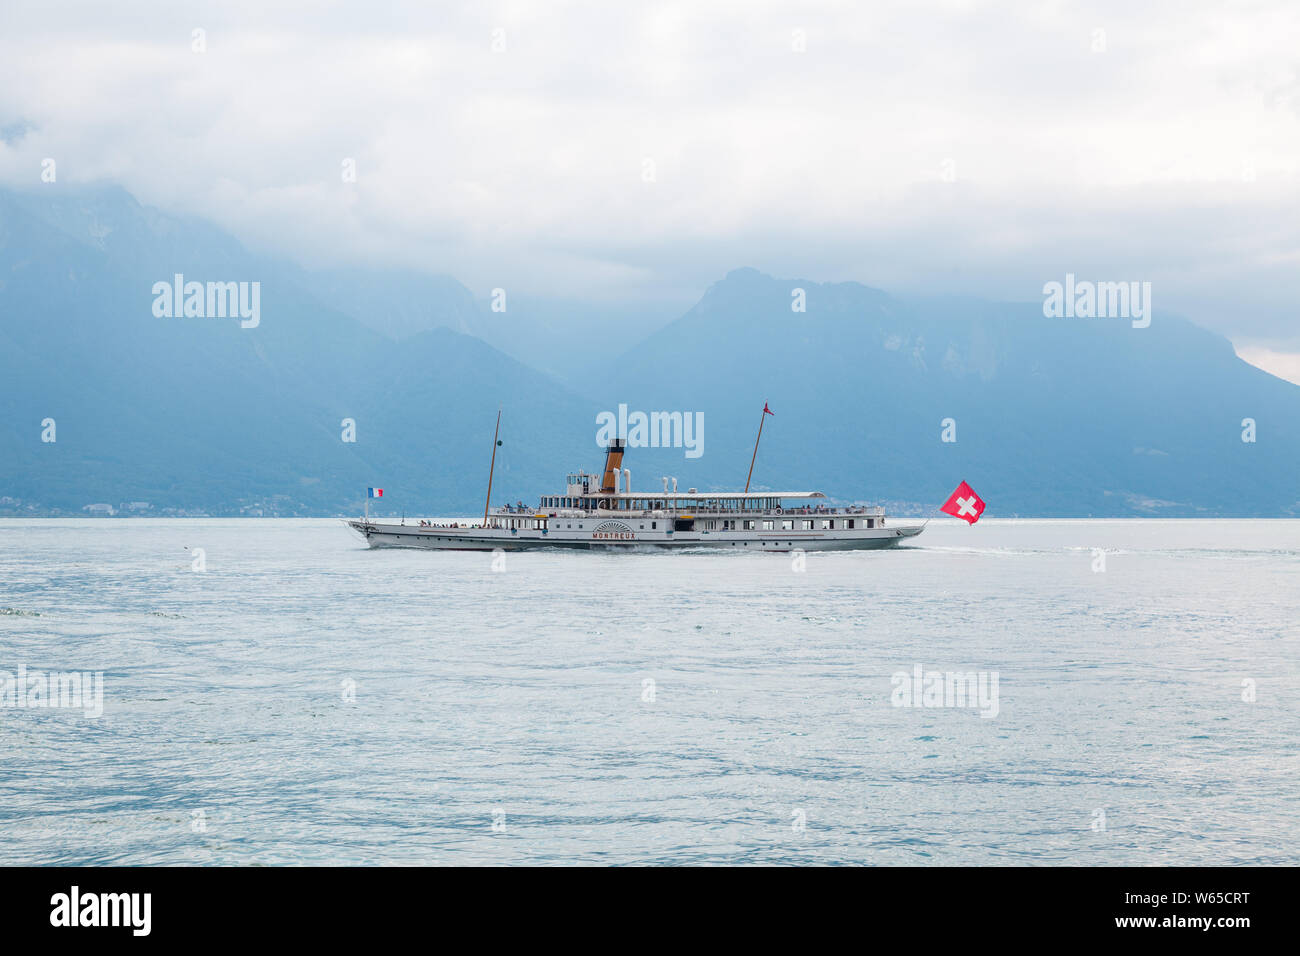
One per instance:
(692, 708)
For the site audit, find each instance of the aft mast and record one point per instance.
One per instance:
(766, 411)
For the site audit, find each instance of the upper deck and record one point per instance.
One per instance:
(608, 495)
(678, 504)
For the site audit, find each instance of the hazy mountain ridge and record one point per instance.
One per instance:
(197, 414)
(1053, 416)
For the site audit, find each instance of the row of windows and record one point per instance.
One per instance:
(528, 524)
(790, 524)
(654, 526)
(769, 524)
(590, 504)
(787, 524)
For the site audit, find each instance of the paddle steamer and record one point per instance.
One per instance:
(603, 512)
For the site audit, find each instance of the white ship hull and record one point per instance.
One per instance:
(387, 535)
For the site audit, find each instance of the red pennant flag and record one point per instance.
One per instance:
(768, 411)
(964, 503)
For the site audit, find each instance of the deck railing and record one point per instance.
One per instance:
(811, 512)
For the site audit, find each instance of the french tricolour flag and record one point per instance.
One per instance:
(374, 492)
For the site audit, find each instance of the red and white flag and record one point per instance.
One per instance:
(964, 503)
(768, 411)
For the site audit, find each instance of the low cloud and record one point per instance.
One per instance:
(607, 151)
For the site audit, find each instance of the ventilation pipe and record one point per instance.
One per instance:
(627, 481)
(674, 486)
(665, 484)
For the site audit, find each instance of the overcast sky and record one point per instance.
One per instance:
(952, 147)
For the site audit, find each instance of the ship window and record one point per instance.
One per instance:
(767, 525)
(871, 522)
(807, 525)
(787, 525)
(849, 524)
(827, 524)
(643, 527)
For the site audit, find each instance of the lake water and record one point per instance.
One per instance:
(306, 700)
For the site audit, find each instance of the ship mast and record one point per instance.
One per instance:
(762, 418)
(492, 467)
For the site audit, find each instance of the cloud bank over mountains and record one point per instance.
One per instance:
(616, 154)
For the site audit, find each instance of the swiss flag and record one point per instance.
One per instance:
(964, 503)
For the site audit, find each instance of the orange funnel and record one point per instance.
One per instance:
(613, 460)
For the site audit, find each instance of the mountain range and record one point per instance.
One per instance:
(191, 415)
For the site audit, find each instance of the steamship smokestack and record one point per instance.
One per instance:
(613, 459)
